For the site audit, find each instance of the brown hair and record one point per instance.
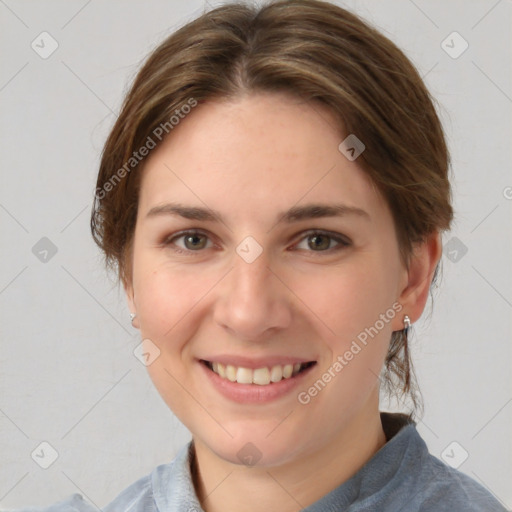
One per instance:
(307, 48)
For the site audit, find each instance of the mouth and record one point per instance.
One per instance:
(264, 376)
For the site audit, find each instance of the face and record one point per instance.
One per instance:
(261, 251)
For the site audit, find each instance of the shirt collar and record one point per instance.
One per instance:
(173, 487)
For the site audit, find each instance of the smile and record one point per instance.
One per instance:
(260, 376)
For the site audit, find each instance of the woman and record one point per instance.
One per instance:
(272, 196)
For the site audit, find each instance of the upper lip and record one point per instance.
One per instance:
(255, 362)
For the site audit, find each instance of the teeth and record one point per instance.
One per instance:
(287, 371)
(276, 374)
(259, 376)
(231, 373)
(244, 376)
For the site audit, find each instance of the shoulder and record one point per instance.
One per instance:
(151, 493)
(451, 490)
(138, 497)
(73, 503)
(439, 487)
(421, 482)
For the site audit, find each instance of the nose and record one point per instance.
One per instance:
(252, 301)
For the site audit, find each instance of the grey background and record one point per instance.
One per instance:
(68, 374)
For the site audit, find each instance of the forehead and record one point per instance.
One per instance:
(258, 153)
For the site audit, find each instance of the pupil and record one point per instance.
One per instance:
(194, 241)
(319, 242)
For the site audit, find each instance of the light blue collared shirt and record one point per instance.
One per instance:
(401, 477)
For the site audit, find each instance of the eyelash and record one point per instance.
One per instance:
(341, 240)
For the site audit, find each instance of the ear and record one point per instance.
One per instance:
(130, 298)
(416, 285)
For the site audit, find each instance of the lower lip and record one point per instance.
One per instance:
(254, 393)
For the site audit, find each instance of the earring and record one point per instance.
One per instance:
(407, 323)
(132, 317)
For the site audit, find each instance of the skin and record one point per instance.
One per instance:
(251, 159)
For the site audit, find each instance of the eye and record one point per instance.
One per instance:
(189, 241)
(321, 241)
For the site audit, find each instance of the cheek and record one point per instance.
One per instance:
(168, 304)
(354, 308)
(349, 299)
(166, 295)
(356, 304)
(158, 303)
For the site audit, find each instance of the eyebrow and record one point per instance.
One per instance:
(294, 214)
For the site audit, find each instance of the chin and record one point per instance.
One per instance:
(254, 446)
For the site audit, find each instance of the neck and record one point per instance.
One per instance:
(223, 486)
